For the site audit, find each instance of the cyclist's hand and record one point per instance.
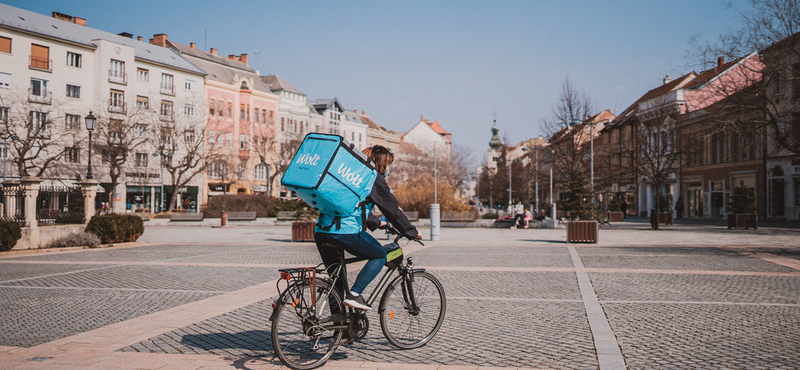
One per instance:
(383, 225)
(418, 238)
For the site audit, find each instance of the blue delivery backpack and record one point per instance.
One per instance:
(330, 174)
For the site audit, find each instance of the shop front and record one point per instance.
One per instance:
(142, 198)
(186, 198)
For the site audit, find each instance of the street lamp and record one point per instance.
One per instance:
(5, 150)
(90, 122)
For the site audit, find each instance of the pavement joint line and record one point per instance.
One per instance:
(58, 274)
(608, 270)
(506, 299)
(114, 289)
(609, 355)
(769, 257)
(713, 303)
(155, 263)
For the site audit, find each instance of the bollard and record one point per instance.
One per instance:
(224, 221)
(435, 221)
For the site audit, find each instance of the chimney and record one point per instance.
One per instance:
(243, 58)
(66, 17)
(139, 38)
(232, 56)
(159, 40)
(363, 112)
(667, 80)
(192, 45)
(720, 61)
(213, 51)
(356, 111)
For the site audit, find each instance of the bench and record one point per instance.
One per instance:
(287, 215)
(504, 223)
(187, 216)
(458, 217)
(242, 216)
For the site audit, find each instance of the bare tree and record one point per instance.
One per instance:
(33, 121)
(568, 131)
(285, 151)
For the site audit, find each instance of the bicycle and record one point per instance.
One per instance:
(309, 319)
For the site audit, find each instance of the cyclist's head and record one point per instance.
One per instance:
(382, 157)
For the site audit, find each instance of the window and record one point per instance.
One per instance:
(38, 126)
(211, 106)
(221, 107)
(248, 112)
(74, 59)
(142, 74)
(73, 91)
(71, 155)
(189, 136)
(188, 85)
(270, 117)
(167, 85)
(116, 71)
(140, 129)
(264, 116)
(141, 159)
(230, 109)
(241, 111)
(5, 79)
(243, 139)
(166, 111)
(3, 114)
(188, 110)
(40, 57)
(142, 102)
(116, 131)
(228, 139)
(38, 87)
(116, 101)
(255, 115)
(5, 44)
(73, 122)
(241, 172)
(260, 172)
(218, 170)
(283, 128)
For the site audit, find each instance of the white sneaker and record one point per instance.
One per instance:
(356, 302)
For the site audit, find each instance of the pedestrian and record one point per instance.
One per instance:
(679, 207)
(624, 208)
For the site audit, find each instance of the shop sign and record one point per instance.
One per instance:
(142, 175)
(212, 187)
(118, 199)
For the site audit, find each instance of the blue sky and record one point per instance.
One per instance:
(453, 61)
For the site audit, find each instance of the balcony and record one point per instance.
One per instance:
(167, 117)
(118, 107)
(42, 64)
(117, 77)
(40, 96)
(168, 89)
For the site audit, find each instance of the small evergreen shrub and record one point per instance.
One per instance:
(10, 233)
(81, 239)
(287, 205)
(116, 228)
(490, 216)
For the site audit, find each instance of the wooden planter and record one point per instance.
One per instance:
(663, 218)
(303, 231)
(743, 221)
(615, 216)
(582, 232)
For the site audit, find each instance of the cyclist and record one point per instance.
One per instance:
(349, 232)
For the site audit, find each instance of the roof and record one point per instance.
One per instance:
(667, 87)
(325, 104)
(276, 83)
(372, 124)
(28, 21)
(220, 68)
(710, 74)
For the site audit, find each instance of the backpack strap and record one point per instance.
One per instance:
(336, 221)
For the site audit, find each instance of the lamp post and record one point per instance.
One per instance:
(5, 150)
(537, 180)
(162, 177)
(90, 122)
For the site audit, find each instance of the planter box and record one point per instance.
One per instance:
(303, 231)
(582, 232)
(663, 218)
(743, 221)
(615, 216)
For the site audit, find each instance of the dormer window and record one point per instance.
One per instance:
(244, 86)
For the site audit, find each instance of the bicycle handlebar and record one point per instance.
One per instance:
(391, 230)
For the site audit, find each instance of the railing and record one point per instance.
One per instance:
(168, 89)
(60, 205)
(43, 64)
(119, 107)
(117, 77)
(13, 206)
(40, 96)
(167, 117)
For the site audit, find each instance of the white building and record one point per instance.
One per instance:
(427, 135)
(56, 70)
(353, 129)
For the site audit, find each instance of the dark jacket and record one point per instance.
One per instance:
(383, 198)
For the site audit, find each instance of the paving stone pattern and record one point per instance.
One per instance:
(12, 271)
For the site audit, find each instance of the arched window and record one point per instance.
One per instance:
(244, 86)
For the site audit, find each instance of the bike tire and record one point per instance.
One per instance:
(293, 329)
(403, 327)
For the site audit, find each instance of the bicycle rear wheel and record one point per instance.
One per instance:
(404, 326)
(301, 339)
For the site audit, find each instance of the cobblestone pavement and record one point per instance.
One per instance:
(192, 297)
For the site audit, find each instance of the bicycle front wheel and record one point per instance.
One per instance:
(408, 324)
(303, 339)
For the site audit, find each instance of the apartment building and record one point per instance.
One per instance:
(55, 70)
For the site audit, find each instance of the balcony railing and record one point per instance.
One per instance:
(167, 117)
(40, 96)
(119, 107)
(43, 64)
(168, 89)
(118, 77)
